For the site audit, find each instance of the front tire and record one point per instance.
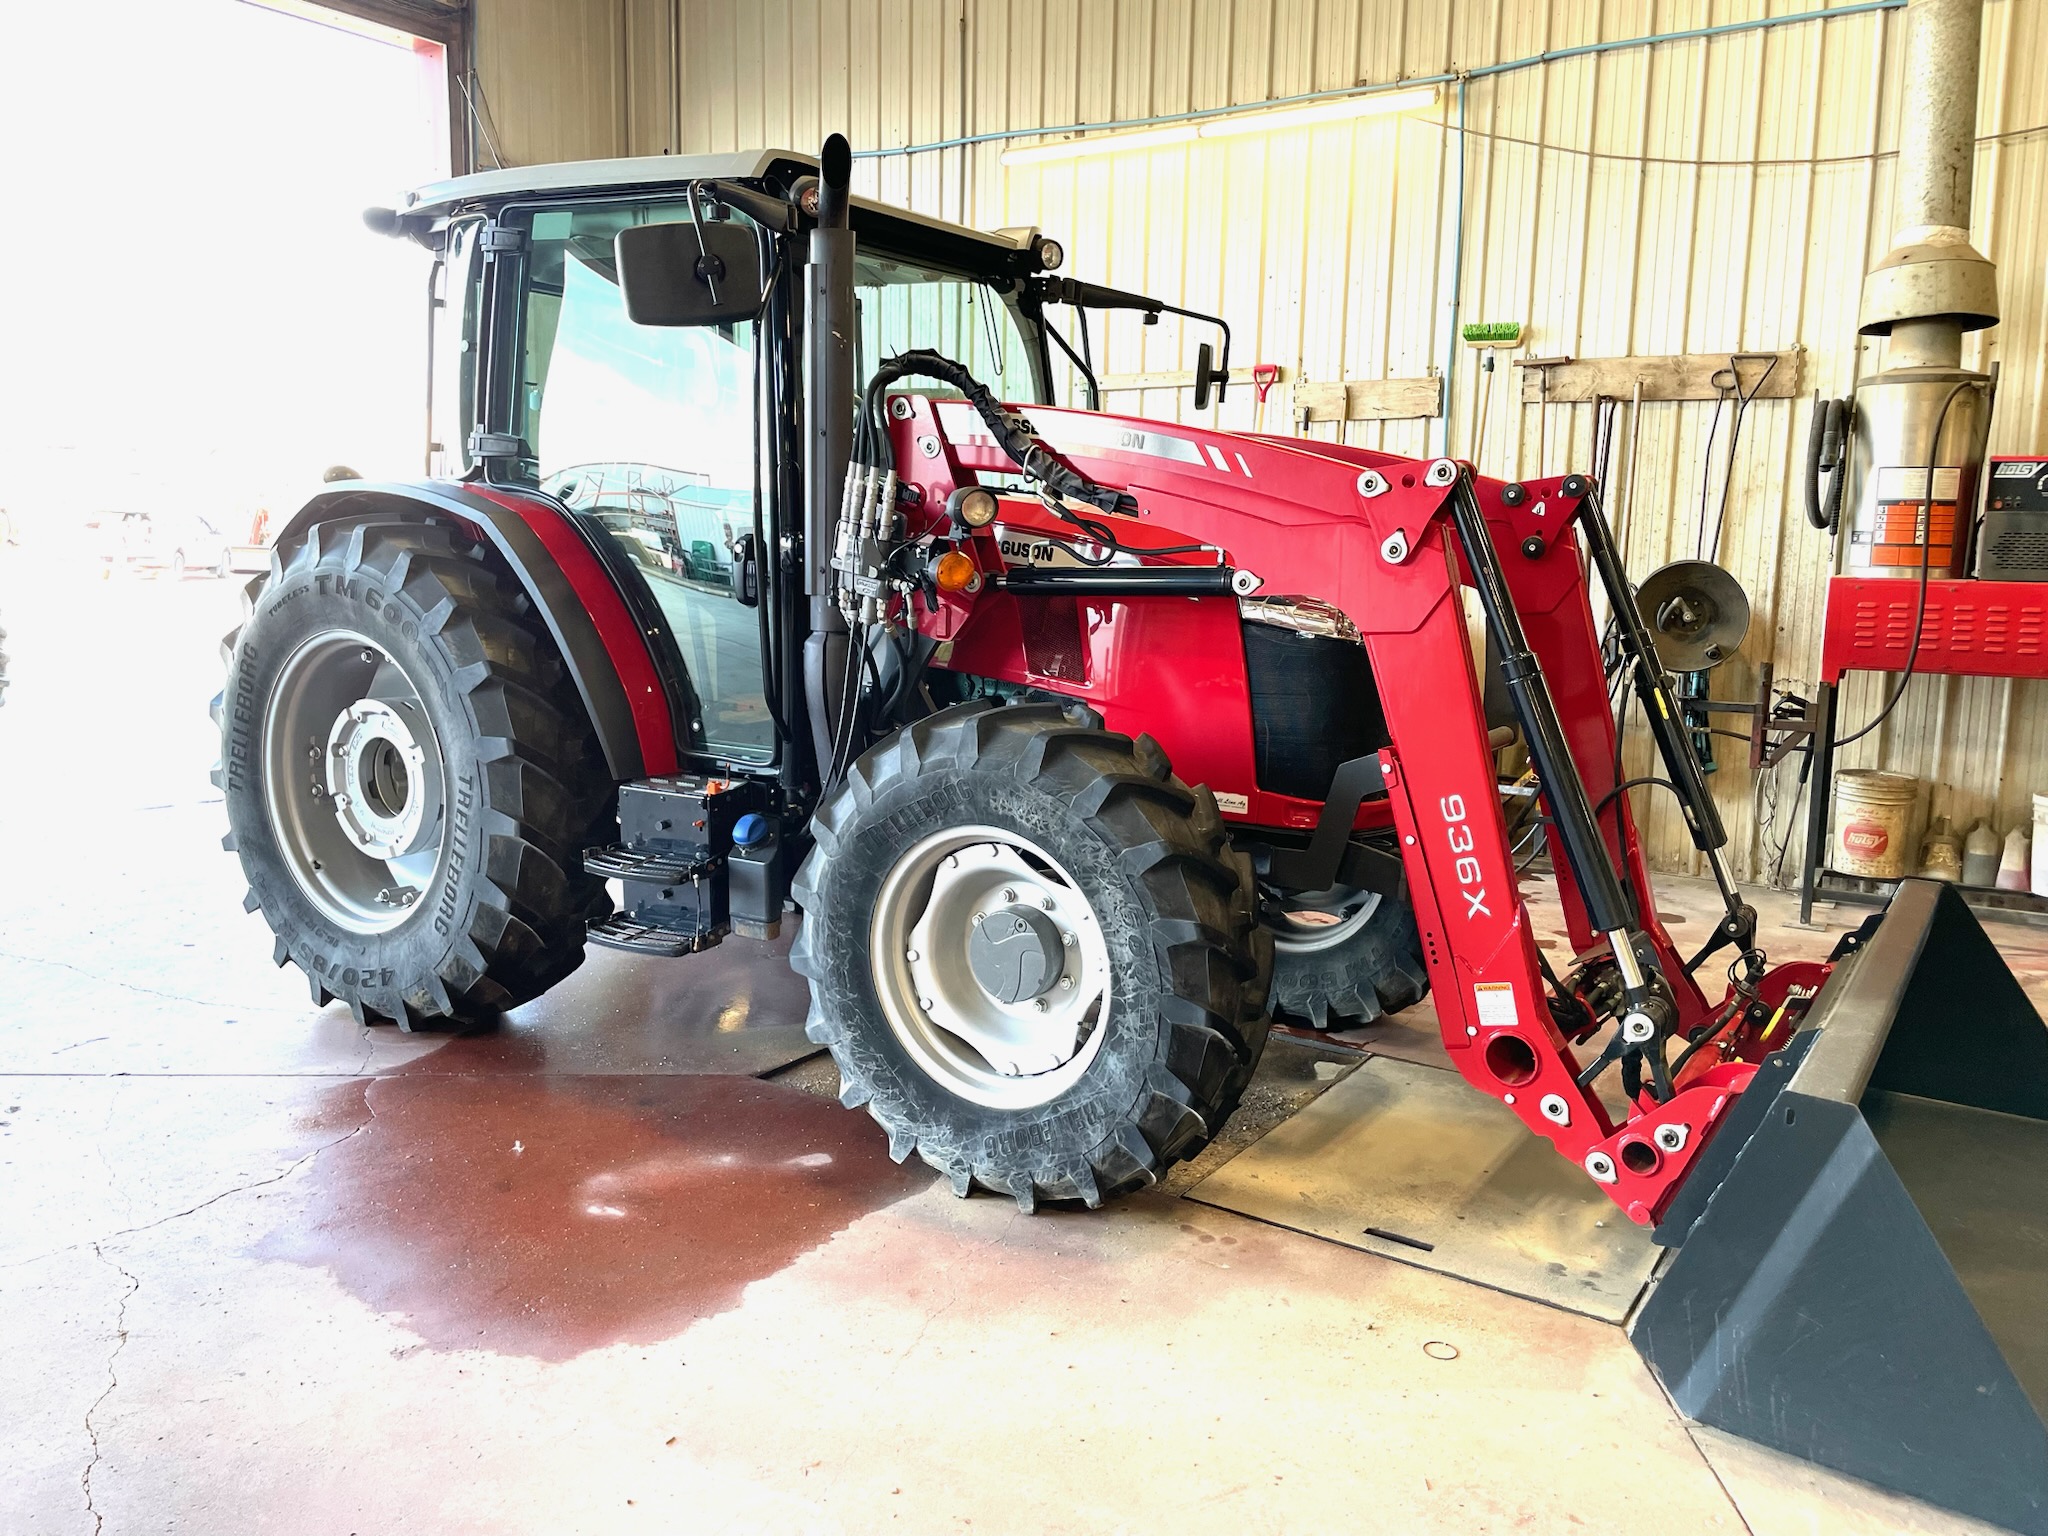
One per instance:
(410, 781)
(1106, 873)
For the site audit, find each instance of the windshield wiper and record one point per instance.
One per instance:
(1048, 289)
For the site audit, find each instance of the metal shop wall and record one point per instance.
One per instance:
(1711, 194)
(573, 79)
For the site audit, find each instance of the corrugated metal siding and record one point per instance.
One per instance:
(1716, 194)
(576, 79)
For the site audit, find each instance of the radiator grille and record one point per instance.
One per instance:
(1052, 639)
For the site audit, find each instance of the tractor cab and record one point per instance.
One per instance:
(674, 446)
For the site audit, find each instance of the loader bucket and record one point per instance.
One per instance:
(1866, 1285)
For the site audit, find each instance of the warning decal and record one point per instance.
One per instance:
(1496, 1004)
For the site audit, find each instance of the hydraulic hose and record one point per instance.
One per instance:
(1012, 432)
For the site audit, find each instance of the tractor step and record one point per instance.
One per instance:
(649, 867)
(699, 858)
(621, 932)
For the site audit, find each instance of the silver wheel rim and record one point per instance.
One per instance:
(1006, 1055)
(354, 781)
(1306, 929)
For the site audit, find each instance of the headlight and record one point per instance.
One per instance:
(972, 506)
(1050, 254)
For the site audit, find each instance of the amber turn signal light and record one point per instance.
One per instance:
(955, 572)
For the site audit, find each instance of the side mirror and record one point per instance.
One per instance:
(1207, 374)
(668, 278)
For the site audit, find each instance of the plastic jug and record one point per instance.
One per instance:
(1980, 854)
(2041, 845)
(2014, 873)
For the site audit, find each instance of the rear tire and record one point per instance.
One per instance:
(1366, 964)
(460, 752)
(1103, 831)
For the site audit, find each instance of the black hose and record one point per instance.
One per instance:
(1014, 435)
(1628, 784)
(1012, 432)
(1829, 421)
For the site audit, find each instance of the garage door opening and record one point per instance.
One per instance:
(199, 327)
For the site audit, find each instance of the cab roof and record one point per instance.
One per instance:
(1011, 250)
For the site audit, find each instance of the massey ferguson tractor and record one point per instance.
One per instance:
(755, 570)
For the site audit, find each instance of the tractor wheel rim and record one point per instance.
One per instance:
(1305, 929)
(354, 781)
(973, 1021)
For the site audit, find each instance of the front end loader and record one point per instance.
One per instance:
(1084, 743)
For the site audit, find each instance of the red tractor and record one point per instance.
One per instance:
(1081, 742)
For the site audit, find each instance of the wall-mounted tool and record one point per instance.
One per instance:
(1489, 337)
(1697, 614)
(1705, 376)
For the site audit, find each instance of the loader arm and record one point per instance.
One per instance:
(1491, 995)
(1288, 510)
(1380, 537)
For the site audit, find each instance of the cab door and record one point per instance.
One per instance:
(648, 434)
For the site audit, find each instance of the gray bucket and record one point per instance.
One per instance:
(1862, 1268)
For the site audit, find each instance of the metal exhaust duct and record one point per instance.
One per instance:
(1929, 289)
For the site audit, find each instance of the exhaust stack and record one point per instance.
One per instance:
(829, 322)
(1932, 286)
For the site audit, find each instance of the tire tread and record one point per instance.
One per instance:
(1214, 958)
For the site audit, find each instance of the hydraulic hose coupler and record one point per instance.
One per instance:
(846, 538)
(862, 542)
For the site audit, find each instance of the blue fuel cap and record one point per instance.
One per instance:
(750, 829)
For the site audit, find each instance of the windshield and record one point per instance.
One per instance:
(904, 306)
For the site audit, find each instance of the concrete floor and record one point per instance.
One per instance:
(263, 1270)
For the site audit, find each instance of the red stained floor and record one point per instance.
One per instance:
(546, 1216)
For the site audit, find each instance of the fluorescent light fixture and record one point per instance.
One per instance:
(1277, 120)
(1380, 104)
(1101, 144)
